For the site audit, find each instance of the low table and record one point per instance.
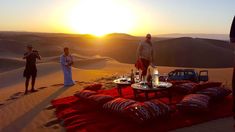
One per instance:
(121, 83)
(144, 88)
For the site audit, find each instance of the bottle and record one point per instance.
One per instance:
(155, 78)
(149, 77)
(132, 77)
(137, 76)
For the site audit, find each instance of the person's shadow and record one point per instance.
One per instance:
(25, 119)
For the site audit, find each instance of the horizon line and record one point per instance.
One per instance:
(22, 31)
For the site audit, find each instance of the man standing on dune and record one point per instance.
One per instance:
(145, 55)
(66, 61)
(30, 68)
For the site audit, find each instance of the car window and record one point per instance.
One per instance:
(190, 73)
(182, 74)
(175, 73)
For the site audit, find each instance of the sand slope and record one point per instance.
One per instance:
(181, 52)
(29, 110)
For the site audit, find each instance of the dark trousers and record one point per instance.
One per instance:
(146, 64)
(33, 78)
(30, 73)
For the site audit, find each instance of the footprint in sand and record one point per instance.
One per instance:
(49, 107)
(42, 88)
(59, 84)
(18, 95)
(15, 96)
(52, 122)
(1, 104)
(55, 127)
(12, 98)
(82, 82)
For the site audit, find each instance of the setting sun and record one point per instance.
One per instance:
(100, 17)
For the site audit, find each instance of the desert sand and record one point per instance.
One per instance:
(32, 112)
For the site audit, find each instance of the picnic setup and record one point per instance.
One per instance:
(180, 98)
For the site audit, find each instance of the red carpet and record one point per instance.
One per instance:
(80, 116)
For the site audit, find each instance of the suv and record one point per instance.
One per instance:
(188, 74)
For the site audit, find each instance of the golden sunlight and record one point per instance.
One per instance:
(100, 17)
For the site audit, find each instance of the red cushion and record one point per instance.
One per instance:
(149, 110)
(118, 104)
(84, 94)
(138, 112)
(63, 102)
(194, 103)
(208, 85)
(100, 99)
(93, 87)
(216, 93)
(186, 88)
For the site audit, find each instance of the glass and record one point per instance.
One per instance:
(165, 75)
(155, 77)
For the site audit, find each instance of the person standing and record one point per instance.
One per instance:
(30, 67)
(66, 61)
(232, 41)
(145, 55)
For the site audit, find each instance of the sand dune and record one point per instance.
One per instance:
(31, 113)
(15, 76)
(10, 63)
(189, 52)
(181, 52)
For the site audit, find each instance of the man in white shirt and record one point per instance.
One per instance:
(145, 54)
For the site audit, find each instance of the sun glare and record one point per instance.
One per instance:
(100, 17)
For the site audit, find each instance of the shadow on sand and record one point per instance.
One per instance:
(25, 119)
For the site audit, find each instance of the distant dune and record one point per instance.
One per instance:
(189, 52)
(10, 63)
(194, 35)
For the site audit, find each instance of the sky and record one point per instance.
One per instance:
(99, 17)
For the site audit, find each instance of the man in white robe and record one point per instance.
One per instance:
(66, 61)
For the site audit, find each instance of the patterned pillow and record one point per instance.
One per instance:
(118, 104)
(205, 85)
(149, 110)
(100, 98)
(216, 93)
(84, 94)
(138, 112)
(194, 103)
(186, 88)
(93, 87)
(157, 108)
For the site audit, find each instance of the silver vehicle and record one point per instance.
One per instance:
(189, 74)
